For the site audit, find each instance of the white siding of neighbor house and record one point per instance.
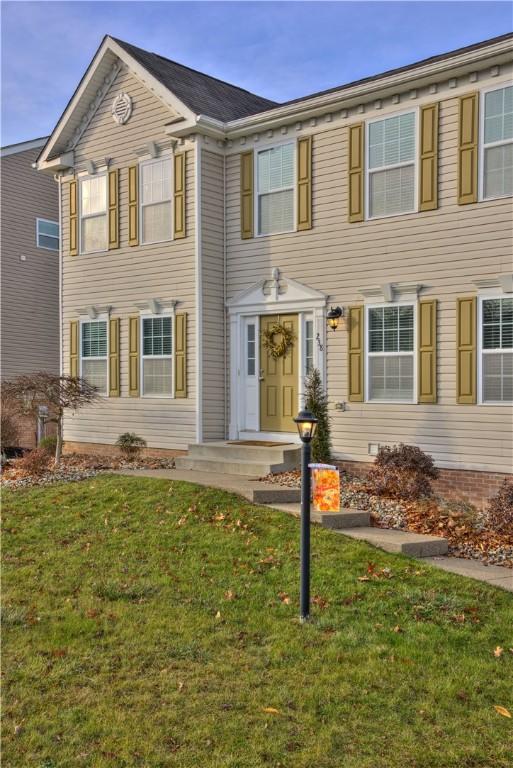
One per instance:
(445, 250)
(30, 287)
(127, 275)
(212, 304)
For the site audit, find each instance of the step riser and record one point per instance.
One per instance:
(250, 469)
(289, 457)
(276, 495)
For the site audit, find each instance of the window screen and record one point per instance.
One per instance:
(498, 143)
(391, 164)
(93, 214)
(156, 201)
(94, 350)
(390, 346)
(157, 356)
(275, 172)
(497, 350)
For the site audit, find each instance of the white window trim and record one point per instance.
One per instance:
(38, 233)
(481, 351)
(413, 353)
(99, 319)
(143, 357)
(142, 164)
(257, 152)
(368, 171)
(81, 179)
(482, 146)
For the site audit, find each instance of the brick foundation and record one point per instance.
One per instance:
(103, 449)
(458, 484)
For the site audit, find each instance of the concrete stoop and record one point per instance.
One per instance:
(238, 459)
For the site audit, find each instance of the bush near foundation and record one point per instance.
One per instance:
(402, 472)
(130, 444)
(499, 514)
(48, 444)
(9, 431)
(36, 462)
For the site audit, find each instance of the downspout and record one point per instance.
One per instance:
(199, 297)
(61, 357)
(225, 346)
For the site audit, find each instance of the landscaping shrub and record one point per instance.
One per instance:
(402, 472)
(316, 401)
(35, 463)
(9, 431)
(48, 444)
(499, 514)
(130, 444)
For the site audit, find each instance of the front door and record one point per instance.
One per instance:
(278, 379)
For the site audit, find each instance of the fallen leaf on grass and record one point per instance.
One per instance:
(498, 652)
(397, 629)
(218, 615)
(363, 578)
(320, 601)
(502, 710)
(271, 710)
(229, 595)
(180, 686)
(284, 598)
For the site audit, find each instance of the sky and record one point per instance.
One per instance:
(280, 50)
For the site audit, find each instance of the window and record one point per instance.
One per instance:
(390, 353)
(391, 165)
(309, 346)
(156, 201)
(93, 214)
(47, 234)
(94, 351)
(157, 368)
(497, 350)
(251, 349)
(275, 189)
(497, 143)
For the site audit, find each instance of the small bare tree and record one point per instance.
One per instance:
(32, 390)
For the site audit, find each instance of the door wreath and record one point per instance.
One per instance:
(277, 348)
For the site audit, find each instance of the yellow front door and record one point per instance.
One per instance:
(278, 379)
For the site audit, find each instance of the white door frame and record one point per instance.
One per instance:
(277, 296)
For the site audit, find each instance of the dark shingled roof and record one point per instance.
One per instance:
(203, 94)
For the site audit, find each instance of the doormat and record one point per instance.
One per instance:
(262, 443)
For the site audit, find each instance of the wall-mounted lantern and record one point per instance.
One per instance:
(334, 316)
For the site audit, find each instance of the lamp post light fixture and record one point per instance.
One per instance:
(334, 316)
(306, 425)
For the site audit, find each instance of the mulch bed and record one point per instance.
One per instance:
(77, 466)
(461, 524)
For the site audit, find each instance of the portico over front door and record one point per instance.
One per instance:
(278, 377)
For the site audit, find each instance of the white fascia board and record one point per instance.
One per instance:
(207, 126)
(23, 146)
(111, 46)
(461, 64)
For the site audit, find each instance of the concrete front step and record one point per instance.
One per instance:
(345, 518)
(391, 540)
(288, 455)
(227, 466)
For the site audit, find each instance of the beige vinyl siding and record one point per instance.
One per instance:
(122, 277)
(445, 250)
(212, 306)
(30, 288)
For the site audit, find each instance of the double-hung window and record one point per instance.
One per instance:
(156, 200)
(93, 214)
(47, 234)
(390, 353)
(94, 354)
(157, 356)
(497, 143)
(497, 350)
(275, 189)
(391, 165)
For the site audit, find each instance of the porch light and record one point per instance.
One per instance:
(306, 424)
(334, 316)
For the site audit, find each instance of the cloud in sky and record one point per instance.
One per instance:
(276, 49)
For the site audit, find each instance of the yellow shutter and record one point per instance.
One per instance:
(73, 347)
(427, 351)
(179, 196)
(133, 205)
(428, 181)
(114, 390)
(468, 148)
(355, 354)
(133, 356)
(466, 363)
(73, 218)
(355, 172)
(304, 183)
(246, 195)
(180, 355)
(113, 209)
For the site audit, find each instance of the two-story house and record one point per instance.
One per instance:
(203, 225)
(29, 271)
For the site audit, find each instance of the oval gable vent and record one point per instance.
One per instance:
(121, 108)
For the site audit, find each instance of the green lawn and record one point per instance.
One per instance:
(149, 623)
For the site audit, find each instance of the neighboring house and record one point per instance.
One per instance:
(195, 215)
(29, 269)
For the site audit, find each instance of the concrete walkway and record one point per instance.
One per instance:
(287, 500)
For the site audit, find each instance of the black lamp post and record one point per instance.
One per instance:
(306, 424)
